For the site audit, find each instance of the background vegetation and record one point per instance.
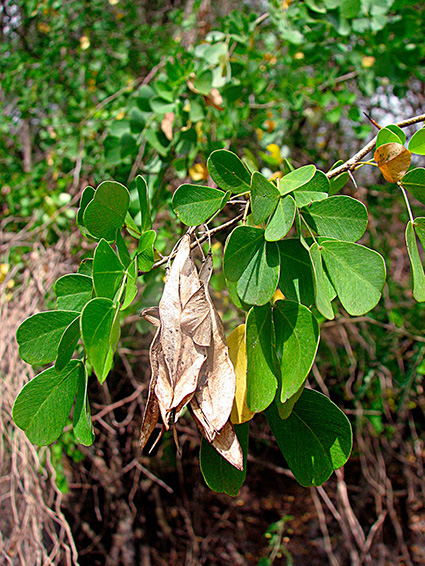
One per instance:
(270, 81)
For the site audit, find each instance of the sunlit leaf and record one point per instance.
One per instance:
(241, 413)
(418, 275)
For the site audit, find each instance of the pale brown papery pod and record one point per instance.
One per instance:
(189, 358)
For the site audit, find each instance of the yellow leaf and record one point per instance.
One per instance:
(43, 27)
(84, 42)
(4, 270)
(368, 61)
(274, 151)
(278, 295)
(199, 172)
(393, 160)
(241, 413)
(299, 55)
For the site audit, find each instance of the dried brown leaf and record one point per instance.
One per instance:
(393, 160)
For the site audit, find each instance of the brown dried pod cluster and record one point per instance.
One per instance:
(189, 358)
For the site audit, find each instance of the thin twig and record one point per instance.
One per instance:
(352, 162)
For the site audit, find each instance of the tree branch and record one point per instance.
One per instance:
(352, 162)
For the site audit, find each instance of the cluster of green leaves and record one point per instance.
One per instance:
(88, 308)
(292, 256)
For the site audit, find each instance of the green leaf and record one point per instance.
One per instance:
(108, 271)
(145, 251)
(417, 142)
(264, 197)
(105, 214)
(86, 197)
(305, 198)
(340, 217)
(144, 94)
(67, 344)
(44, 403)
(261, 361)
(122, 250)
(419, 225)
(81, 422)
(112, 147)
(127, 145)
(228, 171)
(73, 291)
(282, 219)
(357, 274)
(137, 121)
(349, 8)
(418, 275)
(97, 320)
(322, 294)
(234, 297)
(285, 409)
(258, 282)
(161, 106)
(86, 267)
(297, 340)
(203, 82)
(195, 204)
(414, 182)
(296, 279)
(296, 179)
(315, 440)
(219, 475)
(398, 131)
(242, 244)
(145, 212)
(338, 182)
(385, 135)
(130, 286)
(319, 183)
(39, 335)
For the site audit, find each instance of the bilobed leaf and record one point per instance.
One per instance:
(161, 106)
(340, 217)
(417, 142)
(297, 340)
(242, 244)
(219, 475)
(234, 297)
(86, 267)
(296, 279)
(241, 413)
(414, 182)
(393, 160)
(398, 131)
(195, 204)
(108, 271)
(67, 344)
(315, 439)
(296, 179)
(262, 364)
(418, 275)
(357, 274)
(81, 421)
(106, 212)
(228, 171)
(264, 197)
(285, 409)
(318, 183)
(97, 320)
(145, 251)
(385, 135)
(86, 197)
(203, 82)
(282, 219)
(259, 281)
(44, 403)
(73, 291)
(145, 212)
(39, 335)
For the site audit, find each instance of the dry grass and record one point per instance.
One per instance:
(33, 530)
